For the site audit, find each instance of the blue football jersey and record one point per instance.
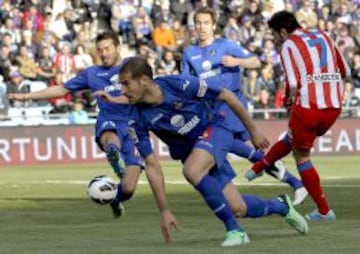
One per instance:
(185, 112)
(101, 78)
(205, 63)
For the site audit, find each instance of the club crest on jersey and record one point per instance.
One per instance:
(178, 104)
(177, 121)
(212, 52)
(206, 65)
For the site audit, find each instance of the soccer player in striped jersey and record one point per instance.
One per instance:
(221, 60)
(314, 70)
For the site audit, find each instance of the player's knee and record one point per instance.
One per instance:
(239, 211)
(190, 175)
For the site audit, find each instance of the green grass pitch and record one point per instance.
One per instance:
(45, 210)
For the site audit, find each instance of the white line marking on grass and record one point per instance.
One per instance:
(177, 182)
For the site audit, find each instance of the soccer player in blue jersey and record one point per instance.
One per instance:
(112, 122)
(220, 60)
(180, 110)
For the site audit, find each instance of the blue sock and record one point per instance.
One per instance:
(113, 153)
(258, 207)
(292, 180)
(289, 178)
(212, 193)
(243, 150)
(121, 196)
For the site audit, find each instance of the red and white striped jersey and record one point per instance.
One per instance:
(314, 67)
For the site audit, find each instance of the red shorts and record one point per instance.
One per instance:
(307, 124)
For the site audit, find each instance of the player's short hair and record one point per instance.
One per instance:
(108, 35)
(283, 20)
(136, 66)
(206, 10)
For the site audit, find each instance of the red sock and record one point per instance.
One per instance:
(311, 181)
(277, 151)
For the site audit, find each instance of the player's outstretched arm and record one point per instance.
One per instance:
(156, 180)
(50, 92)
(248, 62)
(258, 140)
(112, 99)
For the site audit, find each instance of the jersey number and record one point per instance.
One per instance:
(319, 42)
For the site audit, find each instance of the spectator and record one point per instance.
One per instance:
(18, 84)
(143, 26)
(33, 17)
(78, 115)
(45, 71)
(81, 58)
(60, 104)
(307, 14)
(121, 14)
(168, 63)
(355, 70)
(163, 38)
(4, 102)
(64, 61)
(27, 64)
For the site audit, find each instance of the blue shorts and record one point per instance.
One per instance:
(128, 149)
(232, 121)
(217, 141)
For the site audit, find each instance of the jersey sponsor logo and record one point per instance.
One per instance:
(108, 124)
(185, 84)
(195, 57)
(111, 88)
(189, 125)
(177, 121)
(212, 73)
(178, 104)
(157, 118)
(102, 74)
(323, 77)
(203, 86)
(115, 85)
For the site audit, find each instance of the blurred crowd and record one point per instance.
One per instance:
(45, 43)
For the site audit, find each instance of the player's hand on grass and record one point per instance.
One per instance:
(17, 96)
(259, 140)
(112, 99)
(168, 221)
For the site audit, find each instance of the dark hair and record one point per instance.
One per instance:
(108, 35)
(283, 20)
(206, 10)
(136, 66)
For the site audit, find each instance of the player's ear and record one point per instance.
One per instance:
(283, 34)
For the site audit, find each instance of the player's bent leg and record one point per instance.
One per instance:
(237, 204)
(126, 189)
(293, 217)
(115, 159)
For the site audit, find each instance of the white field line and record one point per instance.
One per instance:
(181, 182)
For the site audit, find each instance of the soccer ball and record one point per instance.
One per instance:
(102, 189)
